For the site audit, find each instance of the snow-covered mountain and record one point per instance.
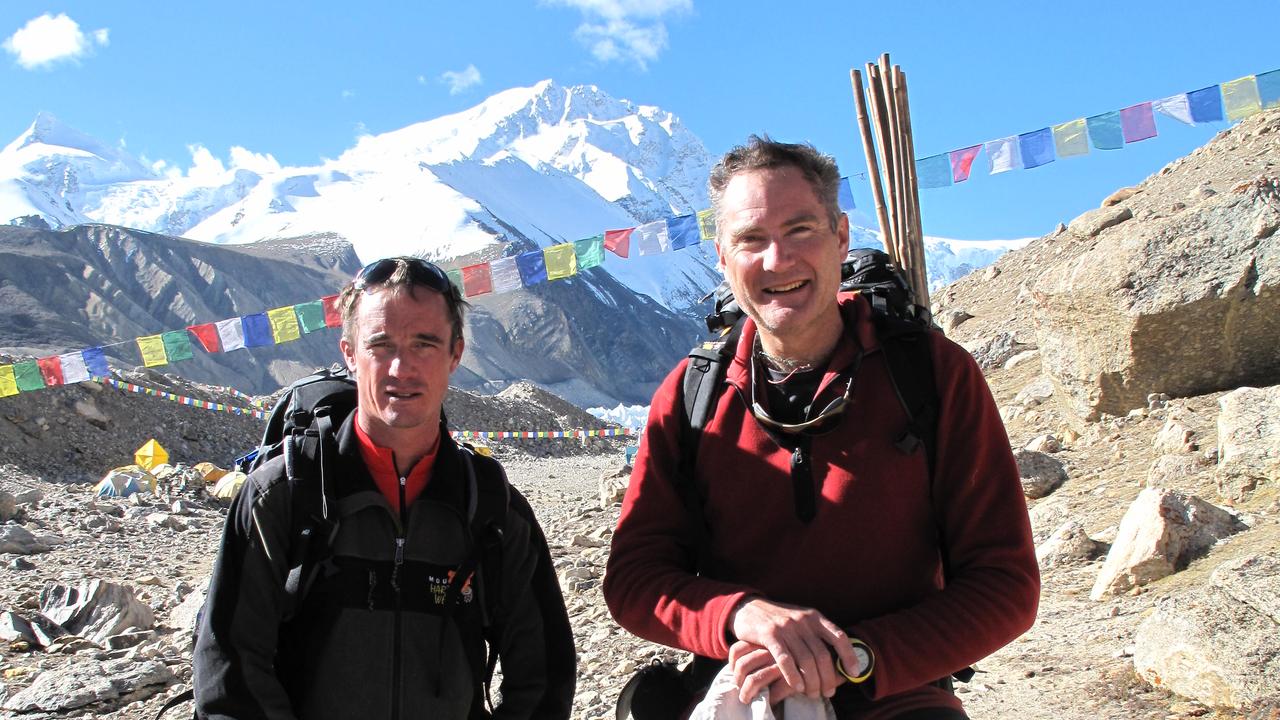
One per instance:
(527, 167)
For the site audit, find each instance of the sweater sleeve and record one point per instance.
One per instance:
(992, 592)
(650, 582)
(234, 673)
(539, 664)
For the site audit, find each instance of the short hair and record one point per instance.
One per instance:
(762, 153)
(401, 280)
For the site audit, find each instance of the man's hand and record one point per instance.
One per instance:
(787, 642)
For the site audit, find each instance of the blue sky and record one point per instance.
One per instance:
(301, 81)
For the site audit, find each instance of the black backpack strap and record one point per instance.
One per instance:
(906, 349)
(701, 385)
(313, 523)
(185, 696)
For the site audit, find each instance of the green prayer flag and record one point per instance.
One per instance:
(310, 316)
(455, 277)
(590, 252)
(28, 377)
(177, 345)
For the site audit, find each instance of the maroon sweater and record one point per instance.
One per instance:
(870, 558)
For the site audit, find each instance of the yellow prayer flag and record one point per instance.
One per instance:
(1240, 98)
(1071, 138)
(152, 349)
(561, 260)
(8, 383)
(707, 224)
(284, 324)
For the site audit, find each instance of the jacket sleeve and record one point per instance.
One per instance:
(650, 582)
(993, 588)
(233, 668)
(536, 647)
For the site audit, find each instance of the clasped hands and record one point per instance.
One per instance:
(786, 649)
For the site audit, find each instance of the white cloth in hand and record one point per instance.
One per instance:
(722, 703)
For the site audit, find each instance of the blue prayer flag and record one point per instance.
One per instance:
(683, 231)
(1036, 148)
(844, 196)
(1105, 131)
(257, 330)
(533, 267)
(1269, 88)
(95, 361)
(934, 171)
(1206, 104)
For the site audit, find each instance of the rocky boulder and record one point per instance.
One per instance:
(1219, 644)
(1248, 440)
(1041, 473)
(94, 609)
(1172, 302)
(1161, 532)
(86, 682)
(1068, 545)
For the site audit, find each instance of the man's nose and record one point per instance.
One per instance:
(777, 254)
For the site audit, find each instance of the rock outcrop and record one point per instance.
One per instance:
(1248, 440)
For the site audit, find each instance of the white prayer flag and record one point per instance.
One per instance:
(73, 368)
(231, 332)
(504, 275)
(1177, 107)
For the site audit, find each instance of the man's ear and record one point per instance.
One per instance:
(458, 346)
(842, 231)
(348, 355)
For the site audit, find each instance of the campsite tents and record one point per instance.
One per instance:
(125, 481)
(151, 454)
(209, 472)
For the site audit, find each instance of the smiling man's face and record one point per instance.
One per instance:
(781, 256)
(402, 357)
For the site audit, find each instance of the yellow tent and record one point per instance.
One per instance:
(151, 454)
(210, 472)
(228, 486)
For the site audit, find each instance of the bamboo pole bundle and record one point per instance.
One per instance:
(897, 197)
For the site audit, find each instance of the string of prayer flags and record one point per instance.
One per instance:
(8, 382)
(332, 314)
(618, 242)
(257, 330)
(934, 171)
(532, 266)
(1036, 148)
(589, 252)
(1137, 122)
(50, 370)
(561, 261)
(151, 347)
(1004, 154)
(962, 162)
(231, 333)
(310, 316)
(1269, 89)
(683, 232)
(1206, 104)
(96, 362)
(707, 218)
(476, 280)
(1177, 107)
(177, 346)
(1240, 98)
(1105, 132)
(74, 369)
(504, 273)
(207, 335)
(284, 324)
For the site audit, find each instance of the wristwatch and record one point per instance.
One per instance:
(866, 662)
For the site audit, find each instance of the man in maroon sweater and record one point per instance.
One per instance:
(821, 566)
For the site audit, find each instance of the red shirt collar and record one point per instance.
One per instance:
(382, 466)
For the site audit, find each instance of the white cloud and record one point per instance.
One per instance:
(50, 39)
(459, 80)
(260, 163)
(625, 29)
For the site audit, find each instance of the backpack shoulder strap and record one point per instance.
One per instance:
(910, 361)
(313, 522)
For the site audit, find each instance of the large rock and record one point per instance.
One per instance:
(1176, 304)
(19, 540)
(1220, 644)
(1161, 532)
(1041, 474)
(85, 682)
(1248, 440)
(1068, 545)
(94, 609)
(8, 506)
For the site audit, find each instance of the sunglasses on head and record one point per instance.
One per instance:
(421, 272)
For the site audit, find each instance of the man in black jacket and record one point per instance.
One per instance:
(385, 632)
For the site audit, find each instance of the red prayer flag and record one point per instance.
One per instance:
(476, 279)
(51, 370)
(962, 162)
(332, 316)
(1137, 122)
(207, 335)
(618, 242)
